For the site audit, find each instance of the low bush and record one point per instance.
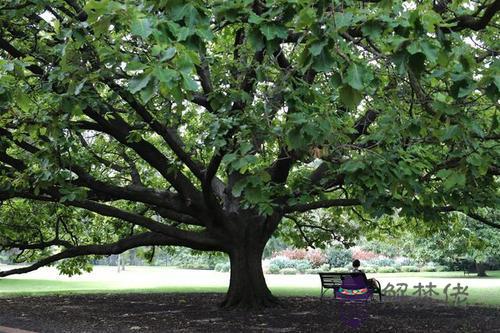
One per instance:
(382, 262)
(403, 261)
(313, 271)
(302, 265)
(337, 256)
(223, 267)
(194, 265)
(283, 262)
(316, 258)
(442, 268)
(386, 269)
(324, 268)
(369, 269)
(293, 254)
(409, 268)
(428, 269)
(288, 271)
(273, 269)
(363, 255)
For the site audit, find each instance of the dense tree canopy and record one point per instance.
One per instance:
(204, 123)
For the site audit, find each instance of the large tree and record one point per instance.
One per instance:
(204, 123)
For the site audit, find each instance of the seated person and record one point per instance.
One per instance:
(372, 283)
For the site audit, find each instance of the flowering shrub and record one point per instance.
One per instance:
(360, 254)
(293, 254)
(316, 258)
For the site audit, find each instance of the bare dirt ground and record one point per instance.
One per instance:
(200, 313)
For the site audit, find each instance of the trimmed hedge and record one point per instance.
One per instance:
(223, 267)
(273, 269)
(442, 268)
(288, 271)
(428, 269)
(409, 269)
(386, 269)
(369, 269)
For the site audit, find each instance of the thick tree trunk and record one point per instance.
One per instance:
(481, 269)
(247, 286)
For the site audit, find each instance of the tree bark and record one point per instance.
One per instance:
(481, 269)
(247, 286)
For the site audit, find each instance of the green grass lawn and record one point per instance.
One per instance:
(24, 287)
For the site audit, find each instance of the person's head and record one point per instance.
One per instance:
(356, 263)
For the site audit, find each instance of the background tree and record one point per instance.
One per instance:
(203, 123)
(455, 244)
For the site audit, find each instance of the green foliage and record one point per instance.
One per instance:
(442, 268)
(386, 269)
(273, 269)
(338, 256)
(303, 265)
(380, 262)
(75, 266)
(428, 269)
(409, 269)
(288, 271)
(283, 262)
(385, 113)
(222, 267)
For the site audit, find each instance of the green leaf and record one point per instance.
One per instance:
(372, 29)
(294, 138)
(228, 158)
(272, 31)
(352, 166)
(354, 77)
(148, 92)
(138, 83)
(141, 27)
(166, 75)
(135, 66)
(79, 86)
(305, 18)
(239, 187)
(255, 39)
(455, 179)
(168, 54)
(350, 97)
(323, 62)
(451, 132)
(430, 51)
(255, 19)
(189, 83)
(342, 20)
(316, 47)
(23, 101)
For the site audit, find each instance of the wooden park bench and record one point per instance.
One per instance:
(330, 280)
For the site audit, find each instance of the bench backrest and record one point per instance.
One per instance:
(335, 280)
